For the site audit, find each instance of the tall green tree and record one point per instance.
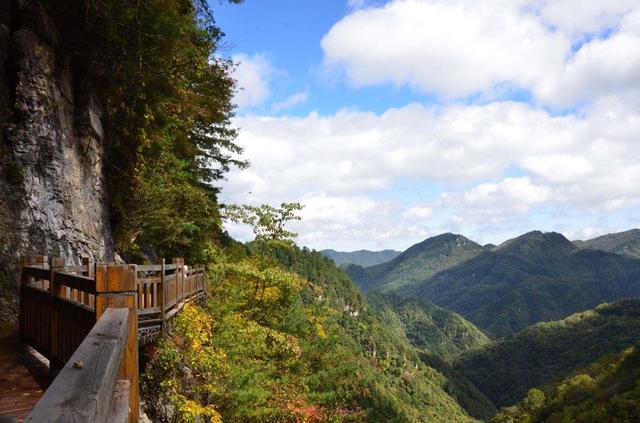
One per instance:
(168, 100)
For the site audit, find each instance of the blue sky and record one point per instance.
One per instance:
(394, 121)
(287, 33)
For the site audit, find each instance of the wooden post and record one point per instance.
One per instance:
(161, 293)
(116, 287)
(55, 290)
(179, 280)
(91, 273)
(22, 281)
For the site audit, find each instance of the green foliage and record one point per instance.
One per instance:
(167, 100)
(606, 391)
(292, 339)
(432, 329)
(439, 335)
(504, 371)
(266, 221)
(391, 382)
(243, 355)
(624, 243)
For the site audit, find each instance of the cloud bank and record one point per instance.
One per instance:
(476, 161)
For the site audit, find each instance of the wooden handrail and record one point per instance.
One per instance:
(61, 307)
(84, 390)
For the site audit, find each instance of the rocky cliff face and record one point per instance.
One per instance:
(51, 144)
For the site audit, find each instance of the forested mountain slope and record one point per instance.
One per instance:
(434, 330)
(505, 370)
(624, 243)
(361, 257)
(287, 336)
(606, 391)
(400, 385)
(439, 335)
(416, 264)
(535, 277)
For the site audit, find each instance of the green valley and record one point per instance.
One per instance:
(606, 391)
(546, 352)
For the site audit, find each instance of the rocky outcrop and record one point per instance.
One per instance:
(52, 145)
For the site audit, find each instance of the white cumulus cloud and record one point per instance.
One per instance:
(458, 48)
(252, 74)
(344, 166)
(291, 101)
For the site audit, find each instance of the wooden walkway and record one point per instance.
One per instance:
(91, 317)
(24, 375)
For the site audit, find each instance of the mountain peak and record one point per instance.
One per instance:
(537, 242)
(442, 239)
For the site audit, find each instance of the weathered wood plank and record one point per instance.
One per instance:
(81, 283)
(84, 388)
(149, 279)
(146, 311)
(120, 402)
(37, 272)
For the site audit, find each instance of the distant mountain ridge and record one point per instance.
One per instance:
(624, 243)
(534, 277)
(417, 263)
(363, 258)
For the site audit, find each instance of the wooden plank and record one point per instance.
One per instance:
(120, 402)
(171, 313)
(28, 260)
(36, 272)
(81, 283)
(146, 311)
(148, 267)
(83, 390)
(115, 279)
(83, 310)
(162, 292)
(89, 267)
(73, 269)
(56, 263)
(129, 369)
(147, 295)
(171, 304)
(116, 286)
(149, 279)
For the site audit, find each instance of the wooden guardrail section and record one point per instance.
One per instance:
(89, 321)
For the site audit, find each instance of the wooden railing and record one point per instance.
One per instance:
(162, 291)
(97, 383)
(65, 309)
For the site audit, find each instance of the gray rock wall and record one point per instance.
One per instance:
(52, 144)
